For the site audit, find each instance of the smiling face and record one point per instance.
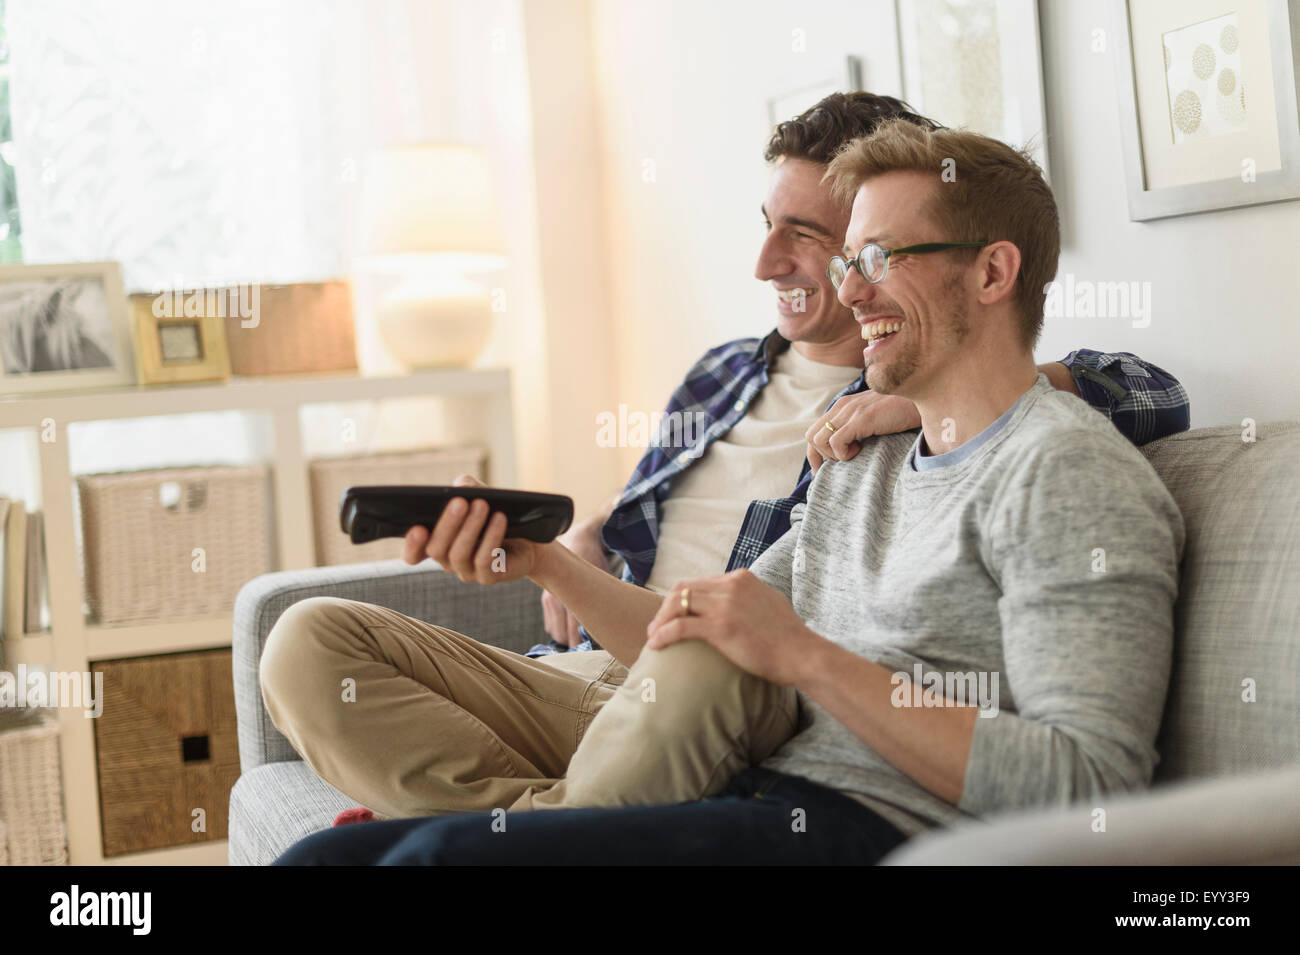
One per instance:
(915, 321)
(805, 228)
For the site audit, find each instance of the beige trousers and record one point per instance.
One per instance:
(411, 719)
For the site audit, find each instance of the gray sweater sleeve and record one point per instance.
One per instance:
(1084, 545)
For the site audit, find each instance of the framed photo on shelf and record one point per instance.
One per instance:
(174, 348)
(63, 327)
(1208, 104)
(976, 64)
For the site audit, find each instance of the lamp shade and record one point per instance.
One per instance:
(429, 199)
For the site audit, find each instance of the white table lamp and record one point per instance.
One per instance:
(430, 223)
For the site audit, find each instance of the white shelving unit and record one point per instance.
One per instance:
(74, 644)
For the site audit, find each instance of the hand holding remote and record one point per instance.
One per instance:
(469, 541)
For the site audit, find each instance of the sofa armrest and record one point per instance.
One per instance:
(1236, 820)
(505, 615)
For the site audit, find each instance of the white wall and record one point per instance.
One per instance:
(685, 84)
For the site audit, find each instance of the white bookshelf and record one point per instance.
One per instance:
(74, 643)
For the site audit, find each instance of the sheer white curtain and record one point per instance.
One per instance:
(192, 143)
(214, 143)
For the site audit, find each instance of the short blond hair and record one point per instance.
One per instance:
(996, 193)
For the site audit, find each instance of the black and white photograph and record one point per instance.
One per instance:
(62, 327)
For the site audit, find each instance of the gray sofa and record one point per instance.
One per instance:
(1227, 789)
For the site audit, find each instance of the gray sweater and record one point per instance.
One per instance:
(1048, 557)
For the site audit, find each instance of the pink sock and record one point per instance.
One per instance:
(353, 815)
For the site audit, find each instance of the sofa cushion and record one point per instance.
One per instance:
(1238, 613)
(274, 805)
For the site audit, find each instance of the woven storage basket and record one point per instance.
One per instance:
(300, 328)
(166, 744)
(139, 551)
(330, 477)
(32, 831)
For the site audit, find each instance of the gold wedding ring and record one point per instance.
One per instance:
(830, 427)
(686, 601)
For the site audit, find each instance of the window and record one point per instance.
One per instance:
(11, 249)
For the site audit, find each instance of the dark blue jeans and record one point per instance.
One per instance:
(761, 818)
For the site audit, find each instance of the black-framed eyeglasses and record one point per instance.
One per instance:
(872, 261)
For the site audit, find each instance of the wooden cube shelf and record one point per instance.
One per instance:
(166, 747)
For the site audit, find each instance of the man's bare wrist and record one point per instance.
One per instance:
(549, 558)
(816, 660)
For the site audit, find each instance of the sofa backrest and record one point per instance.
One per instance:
(1234, 693)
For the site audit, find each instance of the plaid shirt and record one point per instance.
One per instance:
(1145, 402)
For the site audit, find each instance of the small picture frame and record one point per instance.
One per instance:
(63, 327)
(174, 348)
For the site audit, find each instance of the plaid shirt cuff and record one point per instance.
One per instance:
(1141, 399)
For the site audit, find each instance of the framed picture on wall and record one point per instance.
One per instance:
(63, 327)
(976, 64)
(1208, 103)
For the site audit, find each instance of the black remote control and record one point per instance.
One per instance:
(369, 513)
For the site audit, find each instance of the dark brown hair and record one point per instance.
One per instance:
(818, 133)
(996, 193)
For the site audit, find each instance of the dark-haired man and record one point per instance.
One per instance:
(445, 724)
(962, 558)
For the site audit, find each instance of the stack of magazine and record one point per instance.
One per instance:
(24, 602)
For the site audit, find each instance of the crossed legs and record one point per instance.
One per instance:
(412, 719)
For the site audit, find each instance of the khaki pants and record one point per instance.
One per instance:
(411, 719)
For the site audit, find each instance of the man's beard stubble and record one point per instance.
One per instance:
(892, 375)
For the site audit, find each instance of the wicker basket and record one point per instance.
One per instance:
(300, 328)
(330, 477)
(140, 530)
(166, 744)
(32, 830)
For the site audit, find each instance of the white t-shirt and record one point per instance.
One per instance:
(760, 457)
